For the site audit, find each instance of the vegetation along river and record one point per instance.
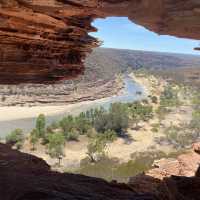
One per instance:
(132, 92)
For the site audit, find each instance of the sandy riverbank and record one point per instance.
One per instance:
(9, 113)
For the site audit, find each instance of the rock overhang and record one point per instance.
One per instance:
(46, 41)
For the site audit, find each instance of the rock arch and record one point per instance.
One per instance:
(39, 39)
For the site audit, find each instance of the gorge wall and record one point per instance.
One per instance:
(45, 41)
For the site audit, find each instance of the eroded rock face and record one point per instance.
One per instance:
(172, 178)
(45, 41)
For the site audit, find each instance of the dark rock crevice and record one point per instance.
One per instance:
(26, 177)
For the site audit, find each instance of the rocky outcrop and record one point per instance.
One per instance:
(44, 41)
(172, 178)
(26, 177)
(184, 165)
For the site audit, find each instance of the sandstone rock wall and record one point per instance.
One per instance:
(45, 41)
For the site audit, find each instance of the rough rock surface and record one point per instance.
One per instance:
(26, 177)
(172, 178)
(185, 165)
(44, 41)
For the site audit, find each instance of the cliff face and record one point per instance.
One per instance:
(45, 41)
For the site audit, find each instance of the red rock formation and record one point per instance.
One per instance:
(44, 41)
(172, 178)
(184, 165)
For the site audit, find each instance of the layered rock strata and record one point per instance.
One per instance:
(45, 41)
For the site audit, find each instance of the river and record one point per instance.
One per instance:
(132, 92)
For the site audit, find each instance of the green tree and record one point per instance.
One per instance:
(40, 126)
(146, 112)
(102, 122)
(67, 124)
(34, 138)
(108, 136)
(15, 138)
(91, 133)
(56, 145)
(140, 112)
(118, 118)
(169, 97)
(72, 135)
(96, 149)
(82, 123)
(135, 117)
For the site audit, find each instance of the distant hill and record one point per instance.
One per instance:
(104, 63)
(119, 60)
(99, 80)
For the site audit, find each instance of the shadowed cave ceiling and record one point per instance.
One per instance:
(45, 41)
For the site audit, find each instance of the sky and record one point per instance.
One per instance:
(121, 33)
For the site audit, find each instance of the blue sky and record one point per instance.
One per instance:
(119, 32)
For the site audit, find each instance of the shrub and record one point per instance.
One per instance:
(82, 124)
(67, 124)
(33, 138)
(115, 119)
(154, 99)
(91, 133)
(169, 97)
(56, 144)
(139, 112)
(108, 136)
(155, 127)
(161, 112)
(40, 126)
(155, 130)
(179, 136)
(72, 135)
(118, 118)
(101, 122)
(96, 149)
(15, 138)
